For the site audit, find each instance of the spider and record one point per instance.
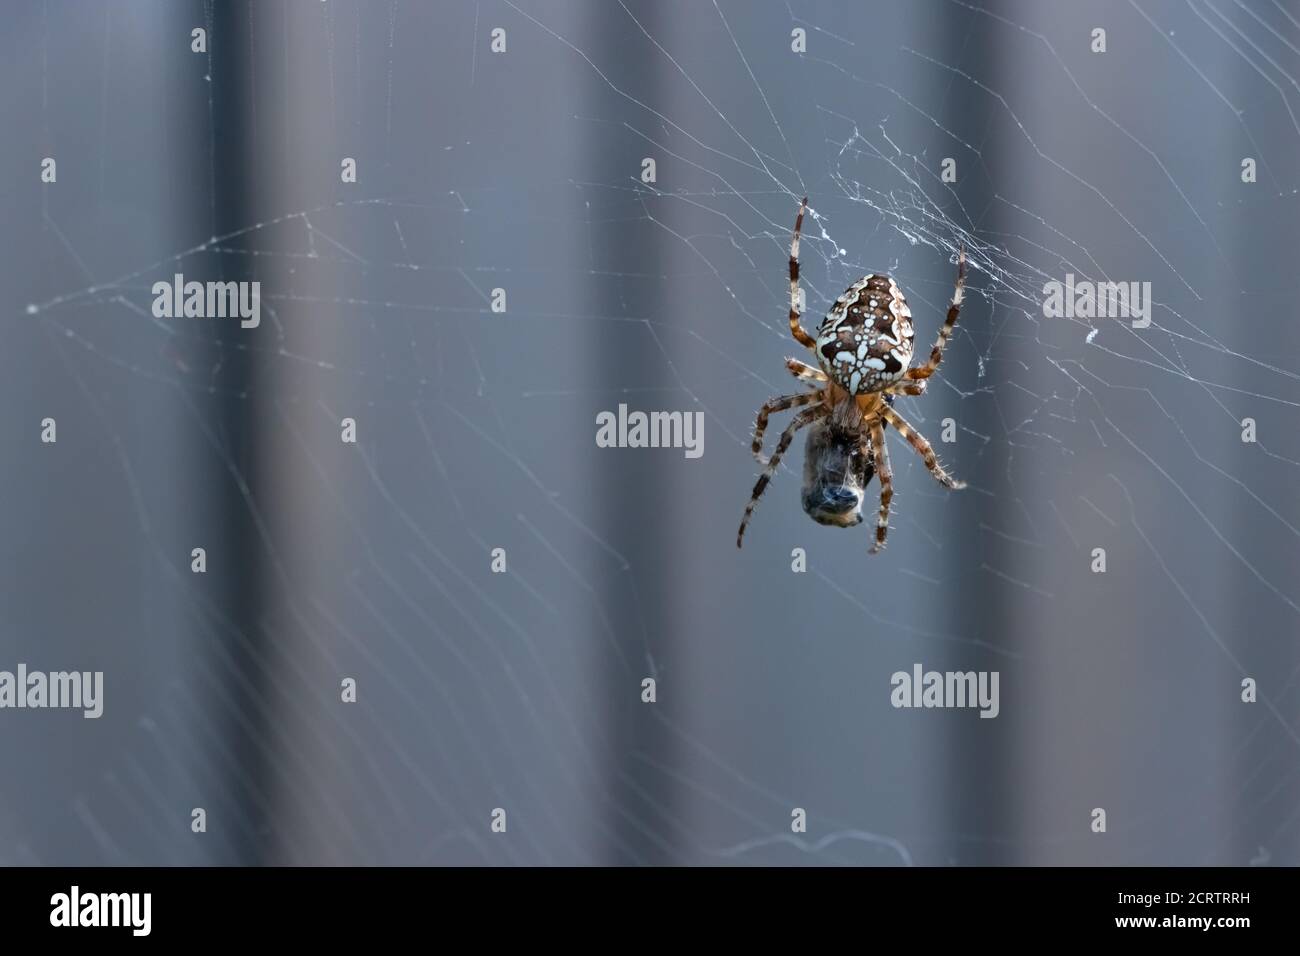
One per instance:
(864, 350)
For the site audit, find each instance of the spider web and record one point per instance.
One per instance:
(522, 171)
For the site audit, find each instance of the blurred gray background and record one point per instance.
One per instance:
(521, 170)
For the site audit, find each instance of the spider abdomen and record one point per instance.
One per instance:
(865, 342)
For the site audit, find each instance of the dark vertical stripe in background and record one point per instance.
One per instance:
(980, 786)
(235, 682)
(634, 492)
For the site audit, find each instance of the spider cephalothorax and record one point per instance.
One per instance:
(864, 350)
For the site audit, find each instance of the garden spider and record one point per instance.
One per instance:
(864, 350)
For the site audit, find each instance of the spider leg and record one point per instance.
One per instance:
(905, 387)
(886, 477)
(797, 330)
(778, 404)
(805, 372)
(798, 422)
(936, 353)
(922, 447)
